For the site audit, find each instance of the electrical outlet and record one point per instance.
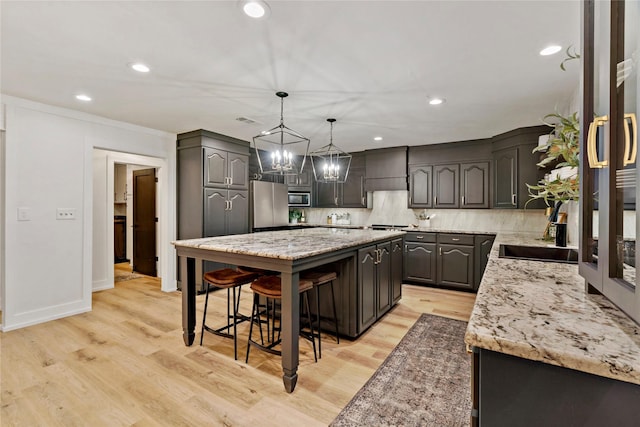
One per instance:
(66, 213)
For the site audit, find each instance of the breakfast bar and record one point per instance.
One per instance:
(287, 252)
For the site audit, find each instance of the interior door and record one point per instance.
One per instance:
(144, 221)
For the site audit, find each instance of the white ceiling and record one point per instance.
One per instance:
(369, 64)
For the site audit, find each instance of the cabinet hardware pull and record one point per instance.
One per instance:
(440, 251)
(406, 248)
(435, 200)
(409, 200)
(455, 239)
(363, 202)
(513, 200)
(226, 202)
(462, 200)
(420, 237)
(630, 147)
(230, 205)
(592, 153)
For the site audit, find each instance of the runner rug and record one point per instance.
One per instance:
(425, 381)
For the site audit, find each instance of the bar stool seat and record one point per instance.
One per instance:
(229, 279)
(270, 287)
(320, 278)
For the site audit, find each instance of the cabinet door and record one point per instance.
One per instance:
(366, 287)
(446, 188)
(483, 246)
(455, 265)
(120, 184)
(353, 194)
(420, 262)
(327, 195)
(505, 165)
(420, 184)
(215, 167)
(474, 185)
(238, 212)
(215, 212)
(384, 278)
(396, 270)
(238, 167)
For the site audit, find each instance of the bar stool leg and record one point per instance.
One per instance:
(335, 314)
(318, 320)
(204, 315)
(305, 296)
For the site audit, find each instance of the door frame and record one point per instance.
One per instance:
(162, 230)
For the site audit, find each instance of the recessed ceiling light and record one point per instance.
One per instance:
(550, 50)
(436, 101)
(140, 67)
(377, 138)
(255, 8)
(83, 97)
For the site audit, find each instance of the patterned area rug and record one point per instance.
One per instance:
(425, 381)
(124, 276)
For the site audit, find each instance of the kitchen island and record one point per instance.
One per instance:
(545, 351)
(289, 253)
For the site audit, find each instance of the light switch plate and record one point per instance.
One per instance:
(66, 213)
(24, 214)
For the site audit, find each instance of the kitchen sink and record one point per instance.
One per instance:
(539, 253)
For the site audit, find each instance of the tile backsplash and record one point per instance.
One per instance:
(390, 207)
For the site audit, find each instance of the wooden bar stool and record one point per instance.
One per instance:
(228, 279)
(270, 287)
(320, 278)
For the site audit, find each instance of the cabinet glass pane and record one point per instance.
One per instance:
(626, 146)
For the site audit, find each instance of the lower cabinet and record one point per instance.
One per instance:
(445, 259)
(509, 391)
(379, 280)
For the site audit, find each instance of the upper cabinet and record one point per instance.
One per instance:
(225, 169)
(302, 181)
(386, 169)
(515, 166)
(450, 176)
(350, 194)
(608, 129)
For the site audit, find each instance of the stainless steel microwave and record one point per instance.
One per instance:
(299, 199)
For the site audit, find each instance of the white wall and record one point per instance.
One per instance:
(49, 264)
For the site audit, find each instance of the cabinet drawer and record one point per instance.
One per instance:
(456, 239)
(415, 236)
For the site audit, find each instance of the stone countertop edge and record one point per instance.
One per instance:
(290, 244)
(540, 311)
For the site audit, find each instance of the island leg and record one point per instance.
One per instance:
(188, 283)
(290, 329)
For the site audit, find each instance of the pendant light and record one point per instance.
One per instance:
(281, 150)
(330, 163)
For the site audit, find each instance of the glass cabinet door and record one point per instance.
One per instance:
(611, 43)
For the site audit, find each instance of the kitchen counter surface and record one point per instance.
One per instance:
(540, 311)
(290, 244)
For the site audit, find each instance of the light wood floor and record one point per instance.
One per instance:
(125, 363)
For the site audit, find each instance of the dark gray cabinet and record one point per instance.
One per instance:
(456, 260)
(515, 166)
(446, 259)
(301, 182)
(482, 244)
(446, 186)
(327, 195)
(374, 283)
(212, 187)
(353, 194)
(225, 169)
(420, 257)
(420, 186)
(506, 178)
(386, 169)
(474, 185)
(396, 270)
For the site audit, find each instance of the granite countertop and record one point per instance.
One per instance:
(540, 311)
(290, 244)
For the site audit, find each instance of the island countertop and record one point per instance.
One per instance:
(540, 311)
(290, 244)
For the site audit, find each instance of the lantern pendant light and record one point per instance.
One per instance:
(330, 163)
(281, 150)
